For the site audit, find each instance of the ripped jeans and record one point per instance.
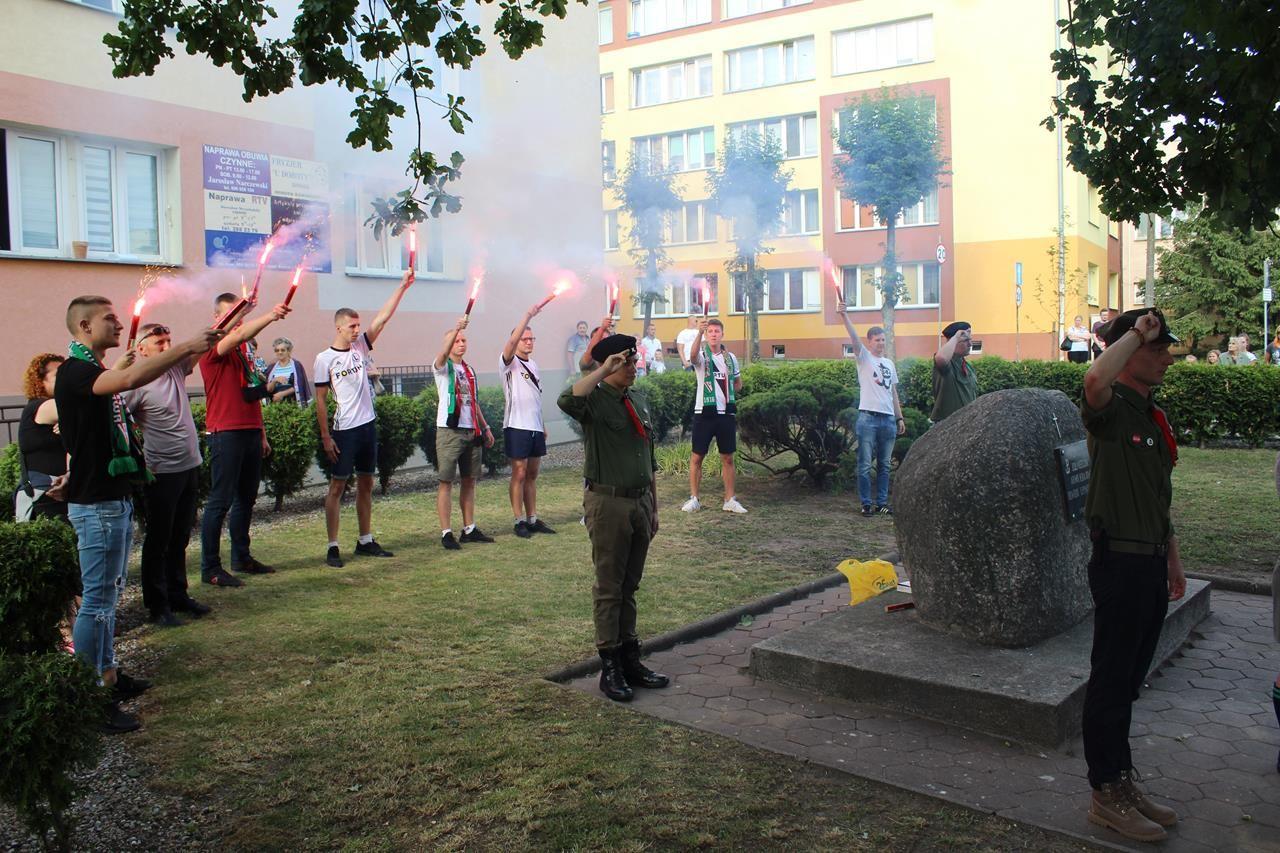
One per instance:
(104, 531)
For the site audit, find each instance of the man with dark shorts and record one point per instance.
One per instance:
(1135, 569)
(353, 443)
(621, 502)
(954, 383)
(461, 436)
(715, 406)
(524, 438)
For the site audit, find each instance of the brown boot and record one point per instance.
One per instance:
(1112, 808)
(1162, 815)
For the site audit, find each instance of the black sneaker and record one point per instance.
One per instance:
(333, 558)
(476, 535)
(193, 608)
(522, 529)
(253, 567)
(127, 687)
(118, 722)
(884, 510)
(222, 578)
(866, 511)
(372, 549)
(540, 526)
(449, 543)
(164, 618)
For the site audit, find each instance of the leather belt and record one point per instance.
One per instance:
(617, 492)
(1145, 549)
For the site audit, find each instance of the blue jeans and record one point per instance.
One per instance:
(876, 434)
(235, 462)
(104, 531)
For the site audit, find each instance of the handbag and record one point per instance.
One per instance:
(1065, 346)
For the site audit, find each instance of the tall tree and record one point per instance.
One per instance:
(1210, 282)
(649, 197)
(365, 46)
(889, 156)
(748, 187)
(1168, 102)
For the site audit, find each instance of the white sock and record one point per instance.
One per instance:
(333, 543)
(365, 538)
(520, 518)
(446, 532)
(533, 519)
(468, 528)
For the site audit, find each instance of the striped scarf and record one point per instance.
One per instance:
(126, 441)
(708, 379)
(455, 397)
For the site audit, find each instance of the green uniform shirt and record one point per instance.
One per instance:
(1129, 485)
(615, 454)
(954, 387)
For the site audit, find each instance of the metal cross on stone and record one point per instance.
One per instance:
(1056, 427)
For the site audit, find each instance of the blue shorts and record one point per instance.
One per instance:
(523, 443)
(357, 450)
(723, 428)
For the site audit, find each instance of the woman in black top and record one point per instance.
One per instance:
(43, 455)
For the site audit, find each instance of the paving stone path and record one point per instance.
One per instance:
(1205, 735)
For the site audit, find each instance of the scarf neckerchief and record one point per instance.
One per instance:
(708, 379)
(635, 417)
(455, 397)
(1157, 414)
(126, 442)
(252, 378)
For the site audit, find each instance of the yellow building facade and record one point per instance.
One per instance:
(676, 76)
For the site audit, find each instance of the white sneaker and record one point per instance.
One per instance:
(691, 505)
(732, 505)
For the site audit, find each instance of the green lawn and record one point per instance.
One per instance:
(1225, 511)
(400, 704)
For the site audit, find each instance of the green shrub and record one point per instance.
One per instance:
(399, 420)
(1209, 401)
(806, 415)
(429, 401)
(915, 383)
(322, 461)
(50, 708)
(293, 435)
(675, 459)
(39, 579)
(198, 412)
(670, 396)
(10, 477)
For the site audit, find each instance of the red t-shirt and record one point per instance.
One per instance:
(226, 407)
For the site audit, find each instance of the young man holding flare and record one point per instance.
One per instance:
(461, 433)
(352, 445)
(715, 407)
(524, 438)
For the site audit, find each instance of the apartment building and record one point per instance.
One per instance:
(677, 76)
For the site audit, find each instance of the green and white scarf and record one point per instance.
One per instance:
(709, 382)
(126, 441)
(454, 412)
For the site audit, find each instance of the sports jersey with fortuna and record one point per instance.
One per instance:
(343, 371)
(522, 388)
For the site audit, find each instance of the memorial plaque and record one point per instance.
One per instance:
(1073, 468)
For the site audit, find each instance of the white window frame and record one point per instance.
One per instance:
(612, 236)
(761, 6)
(678, 224)
(876, 271)
(640, 13)
(605, 14)
(60, 194)
(359, 191)
(811, 289)
(776, 126)
(733, 64)
(848, 45)
(605, 81)
(658, 149)
(810, 220)
(117, 6)
(687, 289)
(690, 71)
(119, 201)
(919, 212)
(609, 160)
(1093, 282)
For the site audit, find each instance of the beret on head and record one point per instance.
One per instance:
(610, 345)
(950, 331)
(1115, 328)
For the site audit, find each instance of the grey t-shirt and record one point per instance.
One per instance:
(163, 412)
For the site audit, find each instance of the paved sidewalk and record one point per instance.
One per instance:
(1205, 736)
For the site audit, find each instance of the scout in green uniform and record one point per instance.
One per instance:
(954, 383)
(621, 503)
(1135, 570)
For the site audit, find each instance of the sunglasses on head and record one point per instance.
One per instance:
(153, 331)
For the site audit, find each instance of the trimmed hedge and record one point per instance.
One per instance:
(10, 475)
(293, 436)
(807, 415)
(399, 420)
(39, 578)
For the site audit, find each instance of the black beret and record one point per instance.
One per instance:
(1116, 328)
(610, 345)
(950, 331)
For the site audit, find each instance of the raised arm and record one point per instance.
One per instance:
(1107, 367)
(848, 327)
(449, 337)
(146, 370)
(389, 307)
(509, 350)
(696, 347)
(250, 329)
(948, 350)
(584, 386)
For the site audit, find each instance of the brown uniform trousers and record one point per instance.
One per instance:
(619, 528)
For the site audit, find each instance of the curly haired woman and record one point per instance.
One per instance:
(43, 457)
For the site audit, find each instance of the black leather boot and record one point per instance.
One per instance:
(612, 682)
(637, 674)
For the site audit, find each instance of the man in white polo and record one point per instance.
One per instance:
(880, 419)
(524, 438)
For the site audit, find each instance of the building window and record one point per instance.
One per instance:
(882, 46)
(606, 24)
(381, 254)
(739, 8)
(606, 93)
(677, 81)
(1113, 290)
(610, 230)
(609, 160)
(116, 6)
(769, 65)
(779, 350)
(860, 287)
(682, 298)
(693, 223)
(851, 216)
(799, 213)
(785, 291)
(797, 135)
(921, 284)
(1095, 211)
(62, 189)
(683, 151)
(658, 16)
(1093, 284)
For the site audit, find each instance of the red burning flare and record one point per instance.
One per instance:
(413, 247)
(835, 281)
(613, 298)
(475, 291)
(262, 261)
(293, 287)
(225, 319)
(706, 298)
(133, 325)
(561, 286)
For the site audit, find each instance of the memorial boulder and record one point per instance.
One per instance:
(984, 506)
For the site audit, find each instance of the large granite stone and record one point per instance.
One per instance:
(981, 523)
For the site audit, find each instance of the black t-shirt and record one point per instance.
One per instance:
(84, 419)
(41, 447)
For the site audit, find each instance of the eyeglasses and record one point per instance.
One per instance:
(153, 331)
(528, 340)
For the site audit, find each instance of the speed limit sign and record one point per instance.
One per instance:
(942, 254)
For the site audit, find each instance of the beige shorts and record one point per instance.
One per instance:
(457, 454)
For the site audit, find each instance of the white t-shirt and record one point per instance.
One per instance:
(1079, 346)
(522, 388)
(876, 379)
(725, 369)
(684, 340)
(344, 371)
(651, 346)
(442, 389)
